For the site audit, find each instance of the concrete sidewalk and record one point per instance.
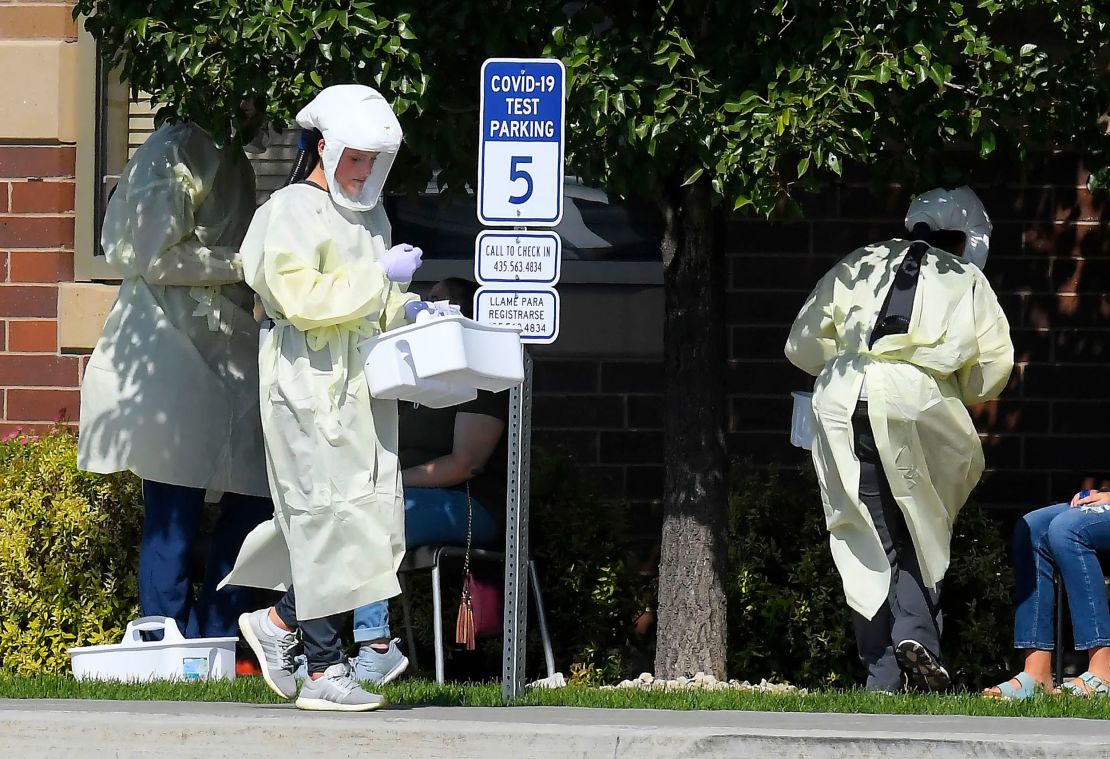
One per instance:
(125, 729)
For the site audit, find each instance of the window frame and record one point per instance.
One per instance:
(95, 123)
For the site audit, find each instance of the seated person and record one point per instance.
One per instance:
(447, 456)
(1067, 537)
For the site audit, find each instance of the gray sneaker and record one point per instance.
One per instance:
(379, 667)
(275, 652)
(337, 691)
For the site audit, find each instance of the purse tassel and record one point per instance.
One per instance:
(464, 625)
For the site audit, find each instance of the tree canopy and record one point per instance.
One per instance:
(760, 98)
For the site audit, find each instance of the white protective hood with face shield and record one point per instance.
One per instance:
(958, 210)
(357, 117)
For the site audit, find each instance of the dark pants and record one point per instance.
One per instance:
(323, 645)
(170, 528)
(911, 611)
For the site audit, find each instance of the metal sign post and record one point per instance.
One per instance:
(521, 150)
(516, 536)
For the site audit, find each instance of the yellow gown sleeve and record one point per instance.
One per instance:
(984, 378)
(812, 342)
(309, 281)
(149, 230)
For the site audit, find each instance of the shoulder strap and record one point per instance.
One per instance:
(894, 318)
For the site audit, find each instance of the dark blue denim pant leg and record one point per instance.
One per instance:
(1076, 537)
(1034, 601)
(217, 611)
(171, 520)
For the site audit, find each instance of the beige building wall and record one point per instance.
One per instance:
(38, 147)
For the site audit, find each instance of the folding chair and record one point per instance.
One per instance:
(429, 558)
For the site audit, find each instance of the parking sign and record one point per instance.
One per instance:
(521, 144)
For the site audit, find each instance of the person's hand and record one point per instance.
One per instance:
(414, 307)
(401, 262)
(1091, 498)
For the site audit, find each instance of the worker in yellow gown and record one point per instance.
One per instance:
(902, 336)
(319, 256)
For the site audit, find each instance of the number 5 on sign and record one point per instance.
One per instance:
(515, 173)
(521, 144)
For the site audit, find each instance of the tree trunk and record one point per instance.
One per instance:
(694, 558)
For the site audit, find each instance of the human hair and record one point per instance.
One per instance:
(307, 157)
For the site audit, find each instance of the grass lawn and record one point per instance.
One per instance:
(423, 693)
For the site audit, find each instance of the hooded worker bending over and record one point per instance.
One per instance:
(902, 336)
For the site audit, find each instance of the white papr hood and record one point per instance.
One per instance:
(955, 210)
(358, 117)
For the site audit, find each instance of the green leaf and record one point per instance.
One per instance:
(685, 45)
(692, 175)
(803, 166)
(741, 201)
(987, 144)
(833, 163)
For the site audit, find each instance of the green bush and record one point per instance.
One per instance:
(590, 585)
(787, 613)
(67, 553)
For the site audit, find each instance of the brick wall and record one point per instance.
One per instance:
(1049, 262)
(37, 383)
(36, 252)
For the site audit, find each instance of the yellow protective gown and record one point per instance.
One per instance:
(957, 352)
(170, 393)
(331, 449)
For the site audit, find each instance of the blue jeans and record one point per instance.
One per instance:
(170, 527)
(433, 516)
(1069, 540)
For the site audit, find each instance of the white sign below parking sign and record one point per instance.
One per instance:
(533, 311)
(517, 257)
(521, 145)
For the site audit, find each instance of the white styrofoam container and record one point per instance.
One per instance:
(802, 420)
(172, 658)
(442, 361)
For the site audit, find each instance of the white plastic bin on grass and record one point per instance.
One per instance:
(442, 361)
(172, 658)
(802, 420)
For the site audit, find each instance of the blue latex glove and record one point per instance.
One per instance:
(413, 307)
(401, 262)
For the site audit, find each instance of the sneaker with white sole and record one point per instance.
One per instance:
(921, 666)
(275, 652)
(337, 691)
(379, 667)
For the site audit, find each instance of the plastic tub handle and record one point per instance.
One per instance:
(170, 631)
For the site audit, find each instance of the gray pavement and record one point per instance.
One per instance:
(124, 729)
